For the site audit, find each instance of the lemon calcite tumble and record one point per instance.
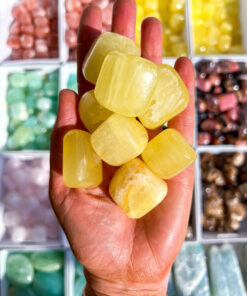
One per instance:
(104, 44)
(170, 97)
(125, 84)
(92, 114)
(136, 189)
(168, 154)
(119, 139)
(82, 168)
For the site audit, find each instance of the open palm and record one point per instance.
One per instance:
(121, 256)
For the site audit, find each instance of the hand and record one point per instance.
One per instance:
(121, 256)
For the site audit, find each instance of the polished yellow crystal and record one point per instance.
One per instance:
(136, 189)
(104, 44)
(125, 84)
(169, 98)
(119, 139)
(82, 168)
(92, 114)
(176, 22)
(168, 154)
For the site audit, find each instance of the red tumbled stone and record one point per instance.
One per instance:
(27, 29)
(14, 41)
(101, 3)
(42, 32)
(71, 38)
(73, 19)
(16, 54)
(26, 18)
(203, 85)
(27, 41)
(210, 125)
(17, 11)
(39, 12)
(73, 55)
(15, 28)
(54, 53)
(227, 101)
(41, 21)
(54, 25)
(29, 53)
(51, 12)
(31, 4)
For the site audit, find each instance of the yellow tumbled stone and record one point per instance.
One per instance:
(176, 22)
(82, 168)
(92, 114)
(169, 98)
(119, 139)
(168, 154)
(104, 44)
(136, 189)
(125, 84)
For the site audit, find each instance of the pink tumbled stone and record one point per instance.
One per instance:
(41, 21)
(52, 40)
(12, 164)
(85, 2)
(11, 218)
(72, 5)
(41, 46)
(107, 15)
(29, 54)
(39, 177)
(38, 233)
(227, 101)
(203, 84)
(39, 12)
(12, 200)
(73, 19)
(16, 54)
(42, 194)
(71, 38)
(42, 32)
(8, 184)
(14, 41)
(53, 232)
(27, 29)
(204, 138)
(54, 25)
(26, 18)
(18, 234)
(15, 28)
(27, 41)
(31, 4)
(233, 114)
(101, 3)
(18, 10)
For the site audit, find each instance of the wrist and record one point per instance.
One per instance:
(100, 287)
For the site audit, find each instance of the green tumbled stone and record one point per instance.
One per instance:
(22, 292)
(53, 76)
(11, 144)
(43, 141)
(80, 284)
(39, 129)
(51, 88)
(72, 82)
(31, 146)
(15, 95)
(30, 102)
(23, 135)
(37, 94)
(30, 122)
(19, 270)
(48, 261)
(49, 284)
(78, 269)
(18, 111)
(34, 80)
(47, 119)
(44, 104)
(18, 80)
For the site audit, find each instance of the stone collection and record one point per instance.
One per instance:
(74, 9)
(32, 99)
(27, 213)
(39, 273)
(224, 178)
(34, 30)
(171, 13)
(216, 27)
(222, 97)
(127, 86)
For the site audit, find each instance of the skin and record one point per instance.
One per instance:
(121, 256)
